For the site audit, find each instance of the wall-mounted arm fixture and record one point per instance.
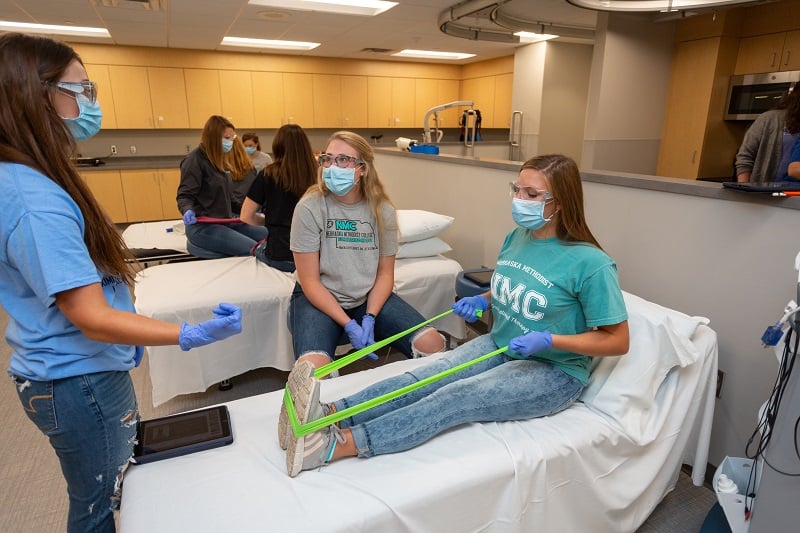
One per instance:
(426, 136)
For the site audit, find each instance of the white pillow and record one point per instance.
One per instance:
(416, 225)
(627, 388)
(424, 248)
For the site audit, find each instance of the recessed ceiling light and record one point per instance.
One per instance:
(430, 54)
(52, 29)
(268, 43)
(530, 37)
(345, 7)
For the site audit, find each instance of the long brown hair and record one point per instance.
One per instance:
(370, 183)
(564, 178)
(211, 140)
(294, 168)
(237, 160)
(33, 134)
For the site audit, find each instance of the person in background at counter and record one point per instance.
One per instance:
(765, 150)
(206, 190)
(276, 191)
(253, 147)
(243, 174)
(66, 279)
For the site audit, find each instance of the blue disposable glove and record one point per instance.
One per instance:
(368, 334)
(467, 308)
(228, 321)
(355, 333)
(189, 217)
(533, 342)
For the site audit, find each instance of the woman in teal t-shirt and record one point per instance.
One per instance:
(556, 303)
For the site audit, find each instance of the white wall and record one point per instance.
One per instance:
(729, 261)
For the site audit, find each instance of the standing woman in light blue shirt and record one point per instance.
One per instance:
(65, 280)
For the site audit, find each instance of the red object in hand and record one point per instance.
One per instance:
(212, 220)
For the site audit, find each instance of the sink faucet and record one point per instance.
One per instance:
(426, 136)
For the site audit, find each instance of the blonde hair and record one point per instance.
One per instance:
(370, 184)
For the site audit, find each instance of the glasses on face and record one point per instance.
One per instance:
(75, 88)
(229, 137)
(529, 193)
(341, 160)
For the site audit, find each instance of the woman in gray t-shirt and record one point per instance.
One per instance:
(344, 241)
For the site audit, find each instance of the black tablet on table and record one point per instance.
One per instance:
(183, 433)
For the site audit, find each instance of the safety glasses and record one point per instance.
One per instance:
(75, 88)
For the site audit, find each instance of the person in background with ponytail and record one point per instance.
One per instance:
(65, 281)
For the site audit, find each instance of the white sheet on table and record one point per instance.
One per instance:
(575, 471)
(186, 292)
(154, 235)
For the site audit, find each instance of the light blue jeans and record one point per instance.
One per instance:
(91, 423)
(227, 239)
(497, 389)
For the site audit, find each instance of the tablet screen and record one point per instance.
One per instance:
(482, 277)
(183, 433)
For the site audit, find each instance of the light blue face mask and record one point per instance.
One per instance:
(227, 144)
(529, 214)
(88, 121)
(250, 149)
(339, 180)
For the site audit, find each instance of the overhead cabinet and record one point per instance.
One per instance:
(390, 102)
(772, 52)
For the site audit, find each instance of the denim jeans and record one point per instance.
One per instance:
(228, 239)
(314, 331)
(497, 389)
(91, 423)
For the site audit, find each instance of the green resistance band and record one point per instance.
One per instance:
(315, 425)
(325, 370)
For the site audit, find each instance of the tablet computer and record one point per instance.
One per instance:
(176, 435)
(481, 277)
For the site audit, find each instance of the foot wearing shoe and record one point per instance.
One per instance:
(299, 384)
(314, 450)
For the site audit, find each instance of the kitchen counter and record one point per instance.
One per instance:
(135, 163)
(637, 181)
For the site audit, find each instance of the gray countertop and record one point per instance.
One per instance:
(639, 181)
(135, 163)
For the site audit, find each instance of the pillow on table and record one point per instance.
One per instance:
(631, 388)
(424, 248)
(416, 224)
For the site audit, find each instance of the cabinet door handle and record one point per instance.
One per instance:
(772, 61)
(788, 53)
(694, 156)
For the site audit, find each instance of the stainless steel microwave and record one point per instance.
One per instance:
(750, 95)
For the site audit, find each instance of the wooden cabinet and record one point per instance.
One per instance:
(339, 101)
(501, 114)
(268, 100)
(236, 91)
(769, 53)
(202, 95)
(107, 189)
(390, 102)
(298, 100)
(142, 195)
(131, 89)
(168, 181)
(168, 97)
(482, 92)
(105, 96)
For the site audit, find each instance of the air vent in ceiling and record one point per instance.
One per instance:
(377, 50)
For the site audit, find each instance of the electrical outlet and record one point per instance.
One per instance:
(113, 150)
(720, 379)
(133, 148)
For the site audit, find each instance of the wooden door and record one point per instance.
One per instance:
(142, 195)
(131, 90)
(107, 189)
(268, 100)
(790, 59)
(379, 102)
(481, 91)
(403, 102)
(761, 53)
(168, 95)
(105, 97)
(298, 99)
(354, 102)
(425, 97)
(501, 114)
(168, 181)
(202, 95)
(448, 91)
(327, 92)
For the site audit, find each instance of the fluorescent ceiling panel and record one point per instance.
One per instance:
(52, 29)
(432, 54)
(268, 43)
(345, 7)
(529, 37)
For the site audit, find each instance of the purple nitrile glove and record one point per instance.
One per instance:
(354, 332)
(189, 217)
(468, 307)
(227, 322)
(533, 342)
(368, 334)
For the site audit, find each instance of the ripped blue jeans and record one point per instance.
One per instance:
(91, 423)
